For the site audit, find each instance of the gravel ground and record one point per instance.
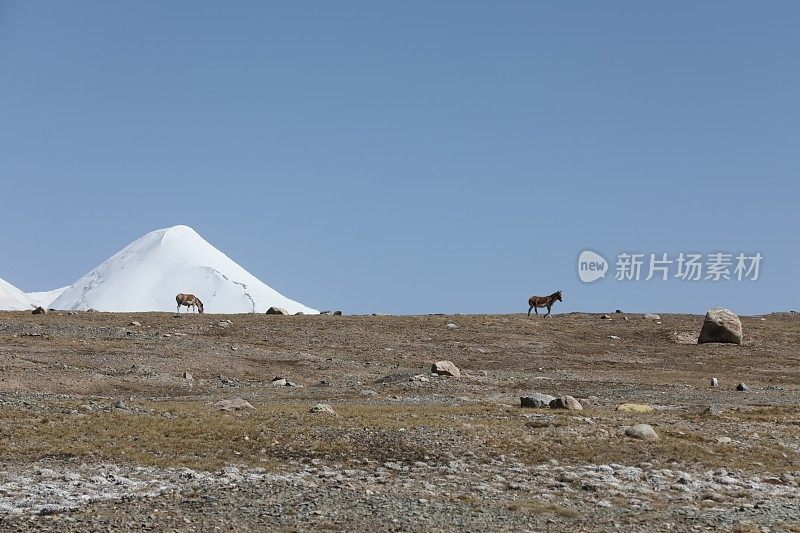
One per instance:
(112, 421)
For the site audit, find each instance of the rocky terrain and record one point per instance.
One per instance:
(115, 421)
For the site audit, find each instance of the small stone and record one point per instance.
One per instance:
(445, 368)
(39, 311)
(277, 311)
(323, 408)
(234, 404)
(566, 402)
(618, 312)
(642, 432)
(714, 382)
(613, 337)
(187, 376)
(713, 410)
(540, 423)
(119, 404)
(742, 387)
(652, 316)
(136, 323)
(278, 381)
(724, 440)
(419, 377)
(451, 326)
(536, 400)
(606, 317)
(337, 313)
(635, 408)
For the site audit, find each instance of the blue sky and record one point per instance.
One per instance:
(408, 157)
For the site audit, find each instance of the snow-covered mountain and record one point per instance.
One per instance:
(148, 273)
(45, 298)
(13, 299)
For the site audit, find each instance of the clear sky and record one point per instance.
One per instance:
(408, 157)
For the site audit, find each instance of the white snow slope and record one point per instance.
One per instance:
(45, 298)
(13, 299)
(148, 273)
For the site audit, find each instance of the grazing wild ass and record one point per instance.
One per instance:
(189, 300)
(543, 301)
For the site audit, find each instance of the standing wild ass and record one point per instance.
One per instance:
(189, 300)
(543, 301)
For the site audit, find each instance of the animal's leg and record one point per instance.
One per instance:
(179, 309)
(548, 310)
(536, 310)
(529, 310)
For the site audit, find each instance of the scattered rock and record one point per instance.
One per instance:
(368, 392)
(337, 313)
(641, 431)
(278, 381)
(536, 400)
(566, 402)
(539, 423)
(721, 325)
(119, 404)
(445, 368)
(606, 317)
(618, 312)
(277, 311)
(420, 377)
(395, 378)
(684, 337)
(39, 311)
(322, 408)
(299, 313)
(635, 408)
(613, 337)
(233, 404)
(652, 316)
(714, 382)
(712, 410)
(724, 440)
(187, 376)
(451, 326)
(742, 387)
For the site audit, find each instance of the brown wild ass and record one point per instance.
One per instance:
(189, 300)
(543, 301)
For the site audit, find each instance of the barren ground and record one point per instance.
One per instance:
(401, 453)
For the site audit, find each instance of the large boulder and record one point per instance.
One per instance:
(566, 402)
(445, 368)
(642, 432)
(721, 325)
(536, 400)
(277, 311)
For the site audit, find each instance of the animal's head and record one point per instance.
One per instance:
(558, 295)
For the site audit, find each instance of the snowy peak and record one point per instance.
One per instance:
(148, 273)
(13, 299)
